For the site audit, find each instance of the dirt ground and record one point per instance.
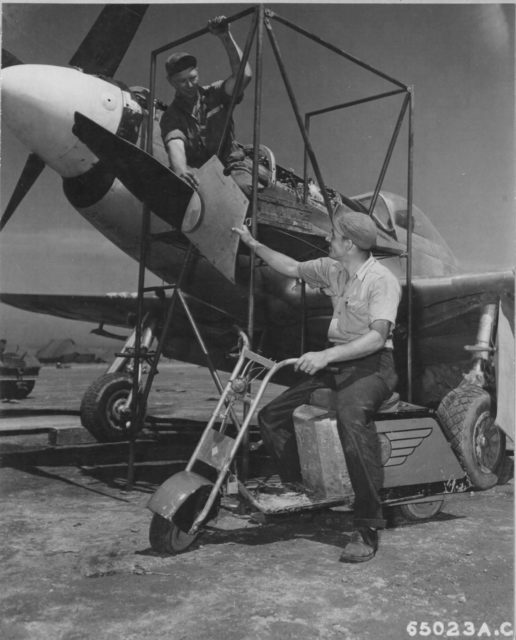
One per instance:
(76, 563)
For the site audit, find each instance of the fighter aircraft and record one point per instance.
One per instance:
(91, 138)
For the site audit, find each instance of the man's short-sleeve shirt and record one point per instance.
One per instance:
(199, 125)
(373, 293)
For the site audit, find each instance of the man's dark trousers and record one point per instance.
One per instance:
(361, 386)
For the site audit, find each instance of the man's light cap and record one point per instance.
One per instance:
(357, 226)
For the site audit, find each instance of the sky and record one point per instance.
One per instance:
(459, 59)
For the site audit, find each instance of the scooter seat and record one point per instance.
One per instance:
(326, 399)
(391, 403)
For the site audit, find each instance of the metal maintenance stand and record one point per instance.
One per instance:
(262, 21)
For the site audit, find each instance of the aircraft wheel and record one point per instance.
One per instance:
(102, 405)
(465, 415)
(417, 511)
(167, 537)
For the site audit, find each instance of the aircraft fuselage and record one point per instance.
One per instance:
(39, 103)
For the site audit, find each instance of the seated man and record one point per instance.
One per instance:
(365, 297)
(193, 124)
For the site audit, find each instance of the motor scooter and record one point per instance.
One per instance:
(420, 467)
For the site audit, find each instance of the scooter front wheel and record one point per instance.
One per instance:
(418, 511)
(167, 537)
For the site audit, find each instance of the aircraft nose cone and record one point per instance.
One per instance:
(38, 105)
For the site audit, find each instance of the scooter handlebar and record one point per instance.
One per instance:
(243, 340)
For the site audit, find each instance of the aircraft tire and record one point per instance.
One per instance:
(100, 407)
(466, 417)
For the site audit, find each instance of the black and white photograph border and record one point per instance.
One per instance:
(379, 108)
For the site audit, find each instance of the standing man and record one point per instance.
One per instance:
(365, 297)
(193, 124)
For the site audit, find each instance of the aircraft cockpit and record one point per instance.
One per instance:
(381, 214)
(391, 216)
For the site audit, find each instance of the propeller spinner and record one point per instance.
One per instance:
(100, 52)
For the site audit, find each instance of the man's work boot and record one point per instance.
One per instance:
(362, 546)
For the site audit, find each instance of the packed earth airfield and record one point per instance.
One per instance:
(77, 563)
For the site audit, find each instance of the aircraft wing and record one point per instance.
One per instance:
(442, 299)
(447, 314)
(116, 309)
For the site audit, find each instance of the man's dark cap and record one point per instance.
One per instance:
(179, 62)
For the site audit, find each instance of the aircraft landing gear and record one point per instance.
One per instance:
(465, 414)
(104, 407)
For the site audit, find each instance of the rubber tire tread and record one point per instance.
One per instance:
(455, 413)
(93, 405)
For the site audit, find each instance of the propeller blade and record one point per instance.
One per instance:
(145, 177)
(9, 59)
(107, 41)
(31, 171)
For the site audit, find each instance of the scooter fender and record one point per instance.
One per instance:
(175, 491)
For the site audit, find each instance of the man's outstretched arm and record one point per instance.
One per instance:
(281, 263)
(177, 158)
(313, 361)
(220, 28)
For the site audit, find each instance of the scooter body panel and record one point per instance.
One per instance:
(413, 447)
(415, 451)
